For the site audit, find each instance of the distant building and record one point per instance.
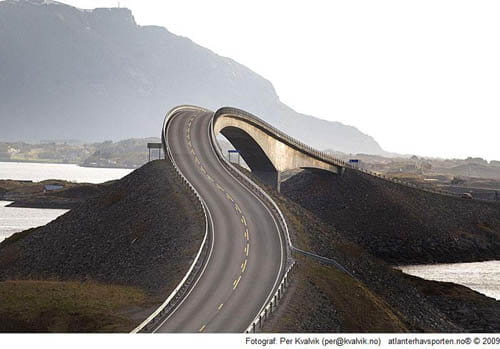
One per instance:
(51, 187)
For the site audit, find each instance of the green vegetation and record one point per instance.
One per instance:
(66, 306)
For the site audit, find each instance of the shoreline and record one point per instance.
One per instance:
(42, 162)
(480, 276)
(49, 194)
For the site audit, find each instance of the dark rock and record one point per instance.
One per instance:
(135, 233)
(398, 224)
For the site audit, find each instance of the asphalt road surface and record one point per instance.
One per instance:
(247, 254)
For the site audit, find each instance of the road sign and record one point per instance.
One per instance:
(154, 145)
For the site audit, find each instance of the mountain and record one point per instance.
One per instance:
(96, 75)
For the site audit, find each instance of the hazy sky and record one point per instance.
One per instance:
(422, 77)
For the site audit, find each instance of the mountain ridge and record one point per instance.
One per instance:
(97, 75)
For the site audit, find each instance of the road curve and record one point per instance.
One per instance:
(247, 254)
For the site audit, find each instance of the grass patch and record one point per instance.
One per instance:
(327, 300)
(66, 306)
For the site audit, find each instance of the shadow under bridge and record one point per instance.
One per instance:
(267, 151)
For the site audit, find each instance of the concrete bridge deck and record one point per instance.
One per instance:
(266, 150)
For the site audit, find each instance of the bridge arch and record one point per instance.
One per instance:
(254, 156)
(266, 150)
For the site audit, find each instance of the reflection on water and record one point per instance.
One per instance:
(38, 172)
(483, 277)
(16, 219)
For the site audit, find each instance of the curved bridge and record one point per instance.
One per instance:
(243, 261)
(266, 150)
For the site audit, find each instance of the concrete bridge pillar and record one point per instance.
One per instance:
(271, 178)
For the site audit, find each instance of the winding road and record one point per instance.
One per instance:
(247, 253)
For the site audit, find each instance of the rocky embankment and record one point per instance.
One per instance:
(376, 298)
(142, 231)
(127, 235)
(399, 224)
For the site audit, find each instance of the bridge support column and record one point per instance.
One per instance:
(273, 179)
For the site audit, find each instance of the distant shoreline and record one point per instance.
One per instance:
(40, 161)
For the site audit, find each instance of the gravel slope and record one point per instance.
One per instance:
(141, 231)
(378, 298)
(398, 224)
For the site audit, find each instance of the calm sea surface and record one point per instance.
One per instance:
(483, 277)
(14, 219)
(73, 173)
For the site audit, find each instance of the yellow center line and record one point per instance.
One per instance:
(220, 306)
(219, 187)
(210, 178)
(244, 266)
(247, 234)
(202, 328)
(229, 197)
(237, 208)
(243, 220)
(203, 170)
(247, 248)
(236, 282)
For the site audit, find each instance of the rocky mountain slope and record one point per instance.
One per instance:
(97, 75)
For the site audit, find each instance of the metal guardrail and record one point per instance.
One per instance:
(271, 306)
(249, 183)
(285, 281)
(267, 198)
(283, 137)
(415, 186)
(184, 284)
(257, 323)
(323, 156)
